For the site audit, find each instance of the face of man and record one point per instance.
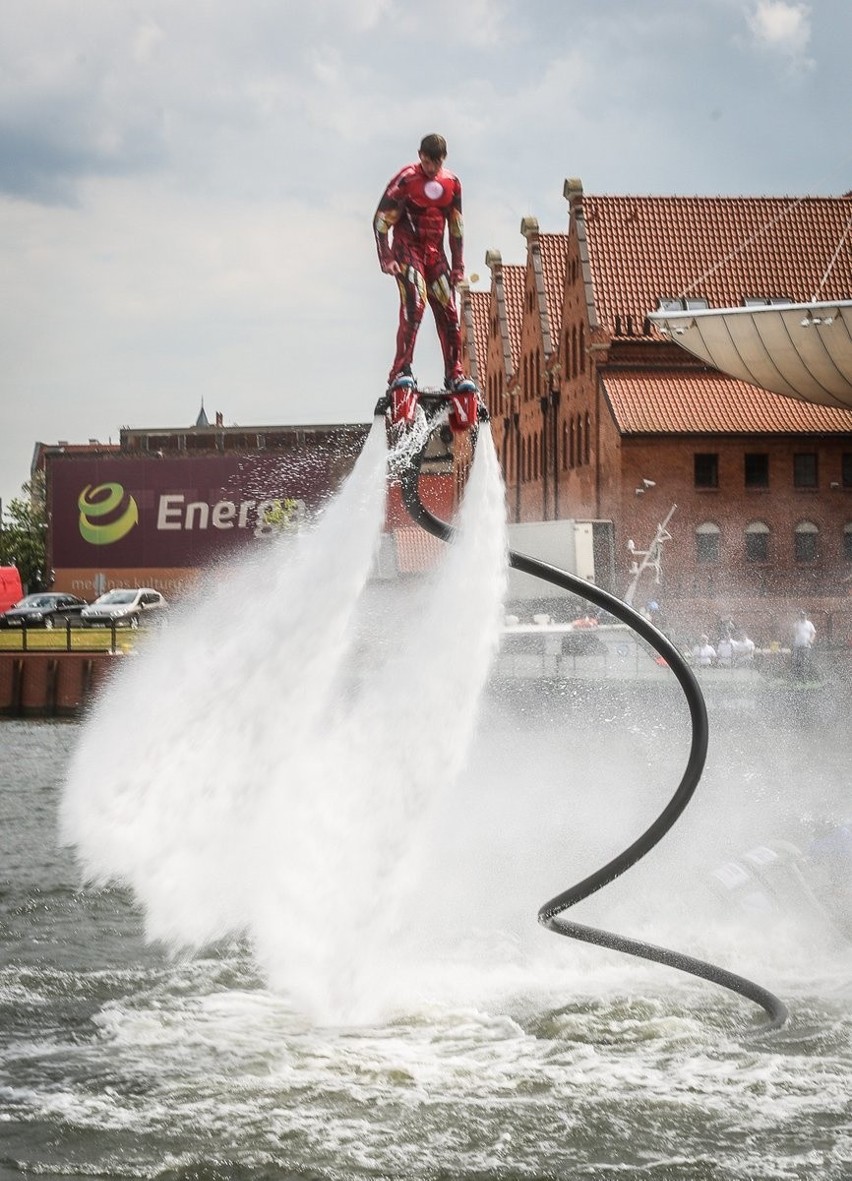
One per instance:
(430, 166)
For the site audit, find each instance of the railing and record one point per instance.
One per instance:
(67, 637)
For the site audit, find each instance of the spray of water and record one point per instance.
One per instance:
(263, 769)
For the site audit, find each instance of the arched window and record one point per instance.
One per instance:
(564, 446)
(707, 542)
(805, 541)
(574, 352)
(579, 440)
(757, 542)
(847, 541)
(588, 440)
(572, 445)
(582, 347)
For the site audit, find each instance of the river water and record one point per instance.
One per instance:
(354, 985)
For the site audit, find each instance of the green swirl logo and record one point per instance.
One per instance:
(104, 500)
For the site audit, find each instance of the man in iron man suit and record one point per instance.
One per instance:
(418, 204)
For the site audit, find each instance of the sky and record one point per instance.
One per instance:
(187, 187)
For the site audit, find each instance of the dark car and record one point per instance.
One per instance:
(44, 609)
(126, 607)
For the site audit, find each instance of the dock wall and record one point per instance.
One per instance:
(51, 684)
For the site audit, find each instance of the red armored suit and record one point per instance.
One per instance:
(409, 226)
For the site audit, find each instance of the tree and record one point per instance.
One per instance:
(23, 527)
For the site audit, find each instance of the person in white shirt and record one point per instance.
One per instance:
(743, 649)
(704, 654)
(804, 634)
(725, 652)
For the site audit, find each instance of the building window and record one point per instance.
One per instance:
(846, 469)
(757, 542)
(707, 542)
(805, 473)
(690, 303)
(805, 540)
(847, 541)
(756, 470)
(706, 470)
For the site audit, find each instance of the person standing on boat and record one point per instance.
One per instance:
(804, 634)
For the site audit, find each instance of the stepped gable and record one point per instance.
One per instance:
(684, 401)
(479, 305)
(722, 249)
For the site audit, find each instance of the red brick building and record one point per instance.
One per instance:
(597, 415)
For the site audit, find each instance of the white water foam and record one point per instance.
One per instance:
(263, 768)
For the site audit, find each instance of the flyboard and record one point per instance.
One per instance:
(453, 412)
(421, 413)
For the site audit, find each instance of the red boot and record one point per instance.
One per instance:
(403, 400)
(464, 405)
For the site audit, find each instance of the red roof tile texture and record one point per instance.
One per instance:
(480, 306)
(723, 249)
(417, 550)
(554, 249)
(679, 402)
(514, 279)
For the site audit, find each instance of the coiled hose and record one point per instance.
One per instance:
(551, 914)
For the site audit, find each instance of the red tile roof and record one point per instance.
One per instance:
(674, 402)
(719, 248)
(514, 280)
(554, 248)
(417, 550)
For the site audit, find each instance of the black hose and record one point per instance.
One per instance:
(550, 914)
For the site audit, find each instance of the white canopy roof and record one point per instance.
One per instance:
(801, 350)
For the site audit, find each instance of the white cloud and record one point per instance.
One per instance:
(784, 28)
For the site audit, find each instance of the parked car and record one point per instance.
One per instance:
(125, 607)
(43, 609)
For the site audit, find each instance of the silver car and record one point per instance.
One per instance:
(128, 607)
